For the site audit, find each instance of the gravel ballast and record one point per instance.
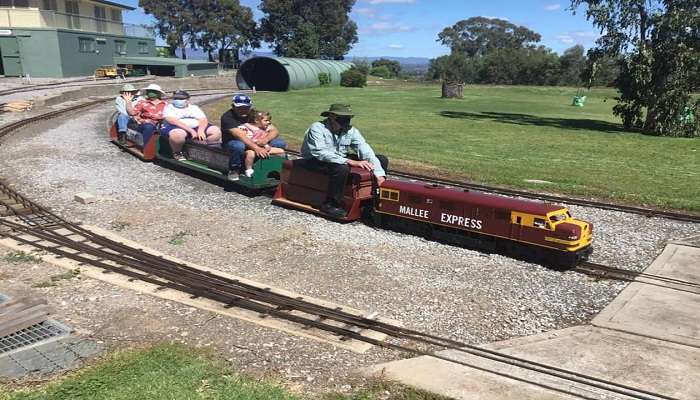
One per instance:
(428, 286)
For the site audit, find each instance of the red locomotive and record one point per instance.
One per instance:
(527, 229)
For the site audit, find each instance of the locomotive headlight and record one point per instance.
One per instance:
(573, 237)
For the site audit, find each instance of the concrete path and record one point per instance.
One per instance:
(648, 338)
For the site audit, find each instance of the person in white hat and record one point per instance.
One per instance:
(148, 112)
(123, 117)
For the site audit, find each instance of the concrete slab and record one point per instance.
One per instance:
(666, 368)
(648, 338)
(660, 312)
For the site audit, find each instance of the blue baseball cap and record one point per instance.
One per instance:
(241, 100)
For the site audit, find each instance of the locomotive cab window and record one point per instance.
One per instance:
(388, 194)
(538, 223)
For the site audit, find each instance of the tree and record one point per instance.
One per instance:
(477, 36)
(362, 65)
(225, 25)
(454, 68)
(175, 22)
(309, 29)
(657, 42)
(394, 67)
(573, 65)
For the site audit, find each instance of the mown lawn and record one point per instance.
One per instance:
(175, 372)
(506, 135)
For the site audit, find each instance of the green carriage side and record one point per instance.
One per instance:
(213, 161)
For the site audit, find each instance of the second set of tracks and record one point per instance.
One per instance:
(38, 227)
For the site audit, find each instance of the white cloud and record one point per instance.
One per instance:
(585, 34)
(552, 7)
(387, 27)
(395, 46)
(366, 11)
(578, 37)
(391, 1)
(491, 17)
(566, 39)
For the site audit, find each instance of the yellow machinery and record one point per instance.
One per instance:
(111, 71)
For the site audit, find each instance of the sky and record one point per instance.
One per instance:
(409, 28)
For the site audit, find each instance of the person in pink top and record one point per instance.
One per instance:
(149, 112)
(257, 131)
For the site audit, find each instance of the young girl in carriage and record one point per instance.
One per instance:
(257, 131)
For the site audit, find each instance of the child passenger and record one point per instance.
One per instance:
(257, 132)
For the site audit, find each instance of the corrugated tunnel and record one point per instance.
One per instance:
(282, 74)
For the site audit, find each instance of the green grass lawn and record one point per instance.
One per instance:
(505, 135)
(174, 372)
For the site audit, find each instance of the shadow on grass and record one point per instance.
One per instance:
(527, 119)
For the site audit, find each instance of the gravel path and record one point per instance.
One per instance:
(428, 286)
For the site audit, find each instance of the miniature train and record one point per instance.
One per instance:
(524, 229)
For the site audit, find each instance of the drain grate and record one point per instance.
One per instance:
(40, 332)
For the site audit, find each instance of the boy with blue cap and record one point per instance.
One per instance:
(237, 142)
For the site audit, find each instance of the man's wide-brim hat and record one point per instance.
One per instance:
(155, 88)
(128, 88)
(341, 110)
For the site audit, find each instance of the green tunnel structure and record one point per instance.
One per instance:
(280, 74)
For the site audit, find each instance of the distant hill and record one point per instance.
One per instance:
(414, 62)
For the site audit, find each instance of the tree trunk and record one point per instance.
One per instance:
(452, 90)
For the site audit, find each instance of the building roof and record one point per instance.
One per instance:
(159, 61)
(113, 4)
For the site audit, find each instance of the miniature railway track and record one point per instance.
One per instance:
(606, 272)
(35, 226)
(39, 228)
(64, 84)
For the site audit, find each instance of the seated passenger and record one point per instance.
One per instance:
(128, 93)
(326, 146)
(257, 132)
(237, 141)
(183, 120)
(148, 112)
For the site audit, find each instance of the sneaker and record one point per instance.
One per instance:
(333, 211)
(121, 137)
(232, 175)
(249, 173)
(179, 156)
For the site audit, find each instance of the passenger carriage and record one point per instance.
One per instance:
(209, 160)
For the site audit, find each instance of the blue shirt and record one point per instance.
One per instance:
(322, 144)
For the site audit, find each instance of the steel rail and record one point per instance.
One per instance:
(172, 272)
(58, 85)
(280, 304)
(208, 289)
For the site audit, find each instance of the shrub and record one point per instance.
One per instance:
(324, 79)
(362, 65)
(381, 71)
(353, 78)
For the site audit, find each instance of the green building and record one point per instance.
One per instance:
(62, 38)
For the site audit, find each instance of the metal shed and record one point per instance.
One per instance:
(169, 66)
(279, 74)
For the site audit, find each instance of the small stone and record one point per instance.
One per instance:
(85, 198)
